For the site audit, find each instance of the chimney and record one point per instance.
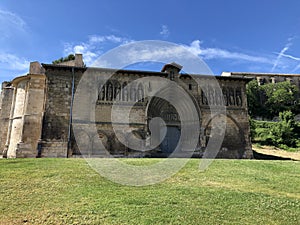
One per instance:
(78, 60)
(35, 68)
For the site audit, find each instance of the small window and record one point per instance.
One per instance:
(172, 75)
(190, 87)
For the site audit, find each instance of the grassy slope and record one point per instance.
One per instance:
(67, 191)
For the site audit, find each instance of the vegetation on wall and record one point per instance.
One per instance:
(65, 59)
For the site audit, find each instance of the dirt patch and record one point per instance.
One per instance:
(271, 151)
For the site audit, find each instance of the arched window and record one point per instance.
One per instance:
(238, 97)
(124, 92)
(133, 93)
(204, 97)
(225, 96)
(109, 91)
(117, 92)
(141, 93)
(211, 95)
(101, 92)
(231, 98)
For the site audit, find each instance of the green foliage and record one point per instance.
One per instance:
(281, 96)
(252, 128)
(65, 59)
(254, 99)
(283, 134)
(269, 100)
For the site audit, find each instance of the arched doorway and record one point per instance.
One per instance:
(170, 141)
(233, 145)
(168, 133)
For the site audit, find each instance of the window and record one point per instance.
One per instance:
(172, 75)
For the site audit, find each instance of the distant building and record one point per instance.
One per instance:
(35, 114)
(266, 78)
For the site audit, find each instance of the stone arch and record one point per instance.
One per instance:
(83, 139)
(90, 142)
(231, 96)
(117, 91)
(125, 92)
(109, 91)
(119, 142)
(104, 138)
(133, 93)
(140, 92)
(154, 105)
(238, 96)
(158, 107)
(101, 92)
(234, 143)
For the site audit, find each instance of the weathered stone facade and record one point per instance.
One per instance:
(36, 114)
(22, 113)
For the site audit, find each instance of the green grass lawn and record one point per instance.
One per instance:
(68, 191)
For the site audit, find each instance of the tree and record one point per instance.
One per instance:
(254, 99)
(269, 100)
(280, 97)
(283, 132)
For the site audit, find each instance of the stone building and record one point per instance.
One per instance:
(36, 115)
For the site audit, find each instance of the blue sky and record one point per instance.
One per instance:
(229, 35)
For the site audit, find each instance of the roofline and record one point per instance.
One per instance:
(241, 78)
(147, 72)
(103, 69)
(260, 74)
(17, 80)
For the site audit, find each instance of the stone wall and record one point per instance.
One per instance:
(33, 116)
(236, 142)
(41, 121)
(6, 102)
(25, 118)
(17, 117)
(56, 124)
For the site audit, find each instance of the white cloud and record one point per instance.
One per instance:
(152, 51)
(285, 62)
(10, 23)
(290, 57)
(296, 59)
(279, 56)
(296, 68)
(164, 52)
(111, 38)
(93, 48)
(13, 62)
(164, 31)
(217, 53)
(177, 53)
(12, 18)
(12, 66)
(145, 53)
(97, 45)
